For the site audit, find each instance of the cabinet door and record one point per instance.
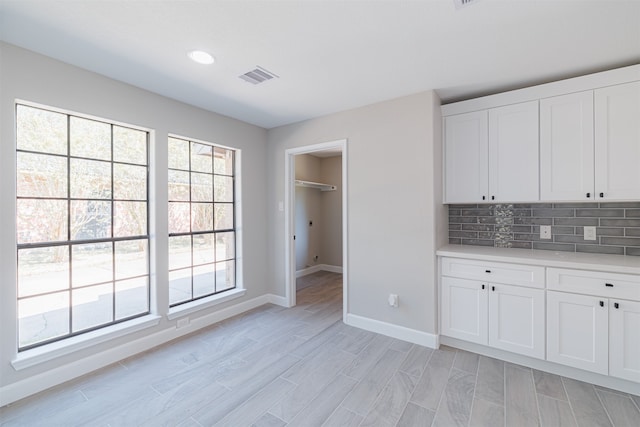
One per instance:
(466, 151)
(566, 147)
(577, 331)
(617, 142)
(624, 339)
(516, 319)
(513, 153)
(464, 309)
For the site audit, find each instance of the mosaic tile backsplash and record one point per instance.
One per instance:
(518, 226)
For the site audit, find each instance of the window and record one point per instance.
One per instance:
(202, 235)
(82, 224)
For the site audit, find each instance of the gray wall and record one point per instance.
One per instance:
(394, 213)
(518, 226)
(28, 76)
(322, 208)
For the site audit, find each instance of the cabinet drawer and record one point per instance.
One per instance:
(495, 272)
(609, 285)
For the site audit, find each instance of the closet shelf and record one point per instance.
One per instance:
(318, 185)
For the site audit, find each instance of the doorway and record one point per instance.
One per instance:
(334, 147)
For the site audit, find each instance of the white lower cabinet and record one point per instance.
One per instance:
(624, 339)
(502, 316)
(577, 331)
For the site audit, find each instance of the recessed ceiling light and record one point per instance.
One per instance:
(201, 57)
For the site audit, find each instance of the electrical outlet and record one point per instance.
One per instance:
(393, 300)
(545, 231)
(589, 233)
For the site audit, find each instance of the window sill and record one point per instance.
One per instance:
(201, 304)
(36, 356)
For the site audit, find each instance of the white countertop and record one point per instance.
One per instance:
(579, 260)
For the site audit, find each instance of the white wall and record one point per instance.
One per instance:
(395, 217)
(28, 76)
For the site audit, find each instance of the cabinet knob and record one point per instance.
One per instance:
(601, 303)
(609, 285)
(601, 194)
(493, 197)
(482, 286)
(588, 195)
(483, 197)
(616, 305)
(493, 288)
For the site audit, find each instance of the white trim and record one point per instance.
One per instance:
(319, 267)
(45, 353)
(278, 300)
(289, 215)
(36, 383)
(394, 331)
(544, 365)
(201, 304)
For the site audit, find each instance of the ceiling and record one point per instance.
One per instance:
(329, 55)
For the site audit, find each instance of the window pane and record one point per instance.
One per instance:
(129, 145)
(90, 179)
(201, 187)
(225, 246)
(132, 297)
(179, 252)
(225, 275)
(129, 182)
(224, 216)
(203, 280)
(90, 139)
(178, 186)
(41, 220)
(224, 188)
(132, 258)
(43, 270)
(178, 154)
(43, 318)
(201, 157)
(40, 175)
(179, 217)
(92, 306)
(222, 161)
(40, 130)
(92, 263)
(130, 219)
(90, 219)
(179, 286)
(203, 252)
(202, 217)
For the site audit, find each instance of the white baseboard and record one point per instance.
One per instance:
(543, 365)
(278, 300)
(37, 383)
(319, 267)
(394, 331)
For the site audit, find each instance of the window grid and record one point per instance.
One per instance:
(215, 231)
(72, 242)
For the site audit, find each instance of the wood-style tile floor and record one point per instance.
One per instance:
(304, 367)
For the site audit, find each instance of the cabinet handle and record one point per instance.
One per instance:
(601, 303)
(482, 286)
(616, 305)
(609, 285)
(493, 197)
(601, 194)
(487, 271)
(588, 195)
(493, 288)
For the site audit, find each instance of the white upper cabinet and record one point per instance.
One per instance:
(465, 151)
(617, 142)
(492, 155)
(566, 147)
(513, 153)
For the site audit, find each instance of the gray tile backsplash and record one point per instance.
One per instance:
(518, 226)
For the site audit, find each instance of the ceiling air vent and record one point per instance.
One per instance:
(463, 3)
(257, 76)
